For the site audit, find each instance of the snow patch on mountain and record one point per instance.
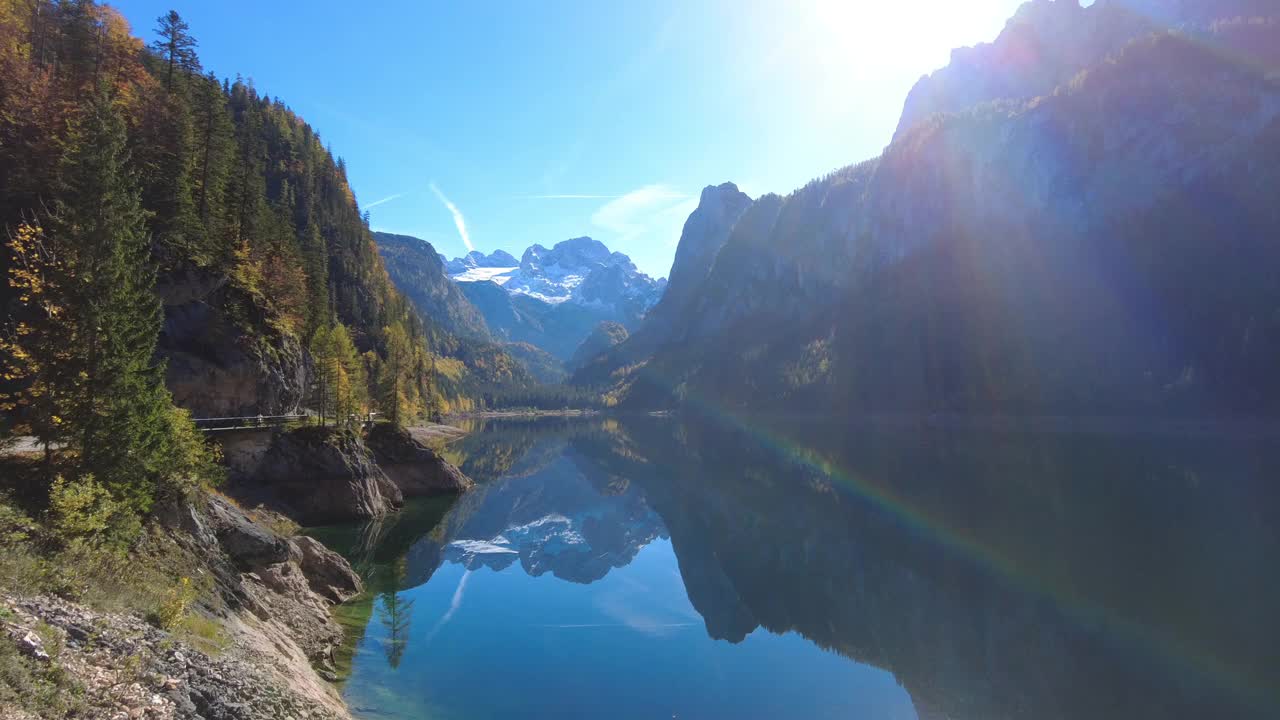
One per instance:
(581, 270)
(499, 275)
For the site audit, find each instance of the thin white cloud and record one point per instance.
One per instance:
(645, 223)
(458, 219)
(386, 199)
(632, 214)
(567, 197)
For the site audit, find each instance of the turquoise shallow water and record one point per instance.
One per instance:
(656, 569)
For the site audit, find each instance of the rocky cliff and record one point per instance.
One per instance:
(704, 234)
(415, 469)
(1098, 249)
(226, 364)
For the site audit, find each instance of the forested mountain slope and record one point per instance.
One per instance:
(1105, 247)
(256, 238)
(419, 273)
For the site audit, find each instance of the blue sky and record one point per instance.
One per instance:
(541, 121)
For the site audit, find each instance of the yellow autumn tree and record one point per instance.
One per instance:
(40, 366)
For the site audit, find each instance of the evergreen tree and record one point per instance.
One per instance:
(123, 413)
(161, 149)
(85, 348)
(211, 165)
(339, 389)
(175, 46)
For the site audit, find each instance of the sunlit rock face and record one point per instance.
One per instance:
(1047, 42)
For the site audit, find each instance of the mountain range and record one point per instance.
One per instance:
(1079, 217)
(540, 309)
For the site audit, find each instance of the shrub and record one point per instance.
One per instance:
(173, 609)
(83, 514)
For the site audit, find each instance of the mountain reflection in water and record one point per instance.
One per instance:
(988, 574)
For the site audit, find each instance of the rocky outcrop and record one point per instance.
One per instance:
(416, 470)
(250, 545)
(318, 475)
(265, 635)
(219, 365)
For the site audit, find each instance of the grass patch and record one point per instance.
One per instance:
(202, 633)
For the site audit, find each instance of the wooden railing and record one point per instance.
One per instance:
(252, 422)
(262, 422)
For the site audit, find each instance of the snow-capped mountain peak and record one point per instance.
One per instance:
(581, 270)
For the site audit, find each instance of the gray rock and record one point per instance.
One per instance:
(328, 573)
(250, 545)
(415, 469)
(321, 475)
(218, 366)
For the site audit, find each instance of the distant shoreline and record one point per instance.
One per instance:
(481, 414)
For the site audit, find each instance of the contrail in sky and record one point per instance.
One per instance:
(458, 220)
(386, 199)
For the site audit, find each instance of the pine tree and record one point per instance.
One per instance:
(322, 372)
(211, 165)
(339, 384)
(396, 616)
(175, 46)
(122, 414)
(162, 155)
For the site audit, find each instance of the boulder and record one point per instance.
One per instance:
(418, 471)
(328, 573)
(250, 545)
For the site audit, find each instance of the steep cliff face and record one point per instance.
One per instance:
(1047, 42)
(224, 359)
(1101, 248)
(704, 234)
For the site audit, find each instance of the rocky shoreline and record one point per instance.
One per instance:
(265, 610)
(267, 636)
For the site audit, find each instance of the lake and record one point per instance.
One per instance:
(665, 568)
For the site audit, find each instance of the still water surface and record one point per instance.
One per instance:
(653, 568)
